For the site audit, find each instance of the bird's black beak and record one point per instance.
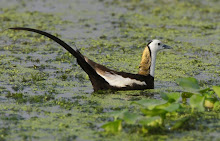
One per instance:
(167, 47)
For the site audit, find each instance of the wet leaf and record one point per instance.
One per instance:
(154, 112)
(113, 127)
(161, 110)
(188, 83)
(150, 103)
(130, 118)
(151, 121)
(217, 90)
(197, 101)
(117, 114)
(172, 107)
(171, 97)
(216, 105)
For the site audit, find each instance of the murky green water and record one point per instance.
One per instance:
(45, 95)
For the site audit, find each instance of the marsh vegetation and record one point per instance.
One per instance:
(45, 95)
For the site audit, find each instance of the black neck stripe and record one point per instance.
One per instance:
(149, 46)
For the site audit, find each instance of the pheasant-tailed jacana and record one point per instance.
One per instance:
(103, 78)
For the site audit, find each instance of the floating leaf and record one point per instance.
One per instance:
(216, 105)
(130, 118)
(171, 97)
(217, 90)
(117, 114)
(154, 112)
(151, 121)
(172, 107)
(113, 127)
(161, 110)
(197, 101)
(188, 83)
(150, 103)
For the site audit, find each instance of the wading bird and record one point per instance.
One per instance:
(103, 78)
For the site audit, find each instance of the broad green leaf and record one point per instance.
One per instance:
(172, 107)
(130, 118)
(188, 83)
(169, 107)
(151, 121)
(216, 105)
(217, 90)
(197, 101)
(154, 112)
(150, 103)
(171, 97)
(117, 114)
(161, 110)
(162, 106)
(113, 127)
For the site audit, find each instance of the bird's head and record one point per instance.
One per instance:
(156, 45)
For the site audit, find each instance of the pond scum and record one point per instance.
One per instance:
(44, 95)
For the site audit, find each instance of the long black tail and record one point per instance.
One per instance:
(62, 43)
(80, 58)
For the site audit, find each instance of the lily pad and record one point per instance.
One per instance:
(151, 121)
(130, 118)
(197, 101)
(171, 97)
(217, 90)
(188, 83)
(150, 103)
(113, 127)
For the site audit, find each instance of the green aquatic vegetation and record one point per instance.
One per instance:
(199, 98)
(216, 90)
(66, 57)
(154, 112)
(39, 76)
(66, 103)
(24, 98)
(114, 34)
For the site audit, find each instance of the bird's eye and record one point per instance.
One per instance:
(158, 44)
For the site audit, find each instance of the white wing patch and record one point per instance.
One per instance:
(119, 81)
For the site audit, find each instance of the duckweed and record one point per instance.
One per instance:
(45, 95)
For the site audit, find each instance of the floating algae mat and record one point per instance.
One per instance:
(45, 95)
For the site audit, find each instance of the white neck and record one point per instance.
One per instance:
(153, 63)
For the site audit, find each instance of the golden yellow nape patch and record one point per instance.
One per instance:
(144, 67)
